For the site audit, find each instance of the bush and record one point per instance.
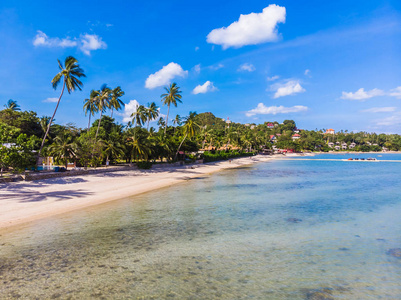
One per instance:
(144, 164)
(223, 155)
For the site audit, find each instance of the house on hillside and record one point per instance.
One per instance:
(296, 137)
(337, 147)
(270, 125)
(273, 138)
(344, 146)
(331, 144)
(352, 146)
(330, 131)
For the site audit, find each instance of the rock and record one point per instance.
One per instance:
(294, 220)
(396, 252)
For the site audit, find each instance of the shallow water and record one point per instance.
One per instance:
(276, 230)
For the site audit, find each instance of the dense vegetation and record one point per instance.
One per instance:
(23, 135)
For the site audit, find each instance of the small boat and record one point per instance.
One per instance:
(371, 158)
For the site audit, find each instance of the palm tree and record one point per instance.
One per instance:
(102, 100)
(113, 148)
(152, 112)
(139, 116)
(90, 106)
(161, 122)
(70, 74)
(63, 148)
(177, 120)
(11, 104)
(189, 129)
(115, 101)
(171, 97)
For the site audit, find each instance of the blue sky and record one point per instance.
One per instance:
(324, 64)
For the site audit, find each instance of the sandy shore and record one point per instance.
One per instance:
(23, 202)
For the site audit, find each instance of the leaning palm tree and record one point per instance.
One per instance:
(115, 101)
(172, 96)
(102, 100)
(70, 74)
(12, 104)
(152, 112)
(90, 106)
(189, 129)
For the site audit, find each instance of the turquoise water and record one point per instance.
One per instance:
(286, 229)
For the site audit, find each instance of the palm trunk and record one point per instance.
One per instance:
(89, 122)
(98, 125)
(50, 123)
(111, 112)
(148, 123)
(179, 147)
(165, 126)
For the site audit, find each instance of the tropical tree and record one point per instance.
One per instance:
(70, 73)
(152, 112)
(90, 106)
(113, 148)
(11, 104)
(172, 96)
(63, 148)
(102, 100)
(139, 116)
(161, 122)
(190, 128)
(115, 101)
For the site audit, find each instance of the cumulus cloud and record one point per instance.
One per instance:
(361, 94)
(273, 78)
(86, 42)
(379, 109)
(165, 75)
(252, 29)
(90, 42)
(50, 100)
(129, 109)
(205, 88)
(262, 109)
(307, 72)
(291, 87)
(247, 67)
(396, 92)
(390, 121)
(41, 39)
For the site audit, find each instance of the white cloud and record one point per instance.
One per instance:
(252, 29)
(197, 68)
(307, 72)
(396, 92)
(41, 39)
(50, 100)
(273, 78)
(129, 109)
(196, 48)
(165, 75)
(216, 67)
(379, 109)
(291, 87)
(205, 88)
(261, 109)
(90, 42)
(247, 67)
(86, 42)
(361, 94)
(390, 121)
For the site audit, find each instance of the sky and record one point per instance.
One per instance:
(323, 64)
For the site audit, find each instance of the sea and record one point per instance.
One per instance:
(303, 228)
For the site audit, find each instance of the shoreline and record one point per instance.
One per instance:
(27, 201)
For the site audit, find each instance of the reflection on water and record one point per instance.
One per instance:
(280, 230)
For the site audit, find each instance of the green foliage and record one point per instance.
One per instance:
(224, 155)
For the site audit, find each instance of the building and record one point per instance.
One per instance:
(330, 131)
(270, 125)
(273, 138)
(352, 146)
(331, 144)
(337, 147)
(344, 146)
(296, 137)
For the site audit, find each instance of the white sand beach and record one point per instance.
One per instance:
(27, 201)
